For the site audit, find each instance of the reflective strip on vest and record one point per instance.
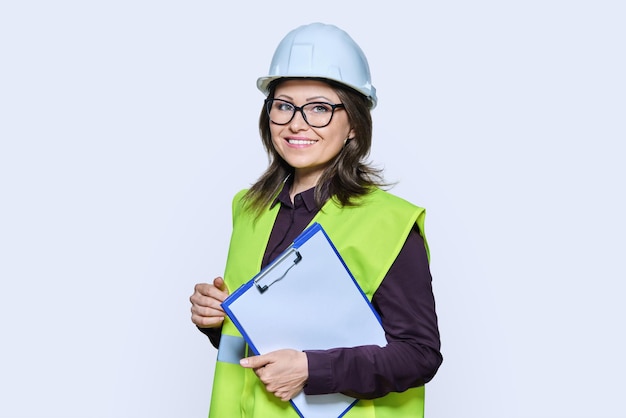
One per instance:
(232, 349)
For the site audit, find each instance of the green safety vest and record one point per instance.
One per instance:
(369, 237)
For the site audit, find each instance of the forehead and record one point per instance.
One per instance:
(305, 90)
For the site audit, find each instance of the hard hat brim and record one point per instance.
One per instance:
(263, 84)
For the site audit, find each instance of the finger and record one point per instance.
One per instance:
(219, 291)
(254, 362)
(201, 289)
(207, 311)
(207, 321)
(207, 317)
(211, 297)
(284, 395)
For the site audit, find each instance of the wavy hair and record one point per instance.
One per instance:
(347, 176)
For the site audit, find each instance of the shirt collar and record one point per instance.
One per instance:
(308, 197)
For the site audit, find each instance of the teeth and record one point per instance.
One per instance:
(301, 142)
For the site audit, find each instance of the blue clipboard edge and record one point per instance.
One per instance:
(348, 408)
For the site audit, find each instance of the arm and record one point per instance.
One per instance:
(411, 358)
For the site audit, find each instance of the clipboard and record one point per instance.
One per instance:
(306, 299)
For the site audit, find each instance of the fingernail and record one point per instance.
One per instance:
(243, 361)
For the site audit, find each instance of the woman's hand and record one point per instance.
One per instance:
(206, 309)
(283, 372)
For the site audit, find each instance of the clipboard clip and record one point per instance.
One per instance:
(274, 273)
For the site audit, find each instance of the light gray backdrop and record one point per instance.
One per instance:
(127, 126)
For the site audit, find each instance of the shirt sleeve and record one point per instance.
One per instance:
(412, 356)
(214, 335)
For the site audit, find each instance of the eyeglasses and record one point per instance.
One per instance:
(316, 114)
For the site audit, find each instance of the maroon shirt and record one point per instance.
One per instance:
(404, 301)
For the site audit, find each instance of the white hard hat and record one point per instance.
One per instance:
(324, 51)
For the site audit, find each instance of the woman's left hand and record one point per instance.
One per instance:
(283, 372)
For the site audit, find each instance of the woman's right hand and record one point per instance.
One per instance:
(206, 309)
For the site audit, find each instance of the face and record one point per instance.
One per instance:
(308, 150)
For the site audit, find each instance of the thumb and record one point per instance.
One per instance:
(253, 362)
(220, 284)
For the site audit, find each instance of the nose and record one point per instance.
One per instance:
(298, 123)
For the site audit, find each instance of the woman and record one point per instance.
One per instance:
(316, 127)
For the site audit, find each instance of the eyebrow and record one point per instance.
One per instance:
(308, 99)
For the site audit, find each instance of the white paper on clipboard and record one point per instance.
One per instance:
(306, 299)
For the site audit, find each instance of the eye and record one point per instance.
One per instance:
(283, 106)
(320, 107)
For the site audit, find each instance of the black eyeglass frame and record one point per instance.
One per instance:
(268, 108)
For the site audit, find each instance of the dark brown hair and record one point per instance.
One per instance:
(346, 177)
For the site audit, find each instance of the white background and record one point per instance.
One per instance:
(127, 126)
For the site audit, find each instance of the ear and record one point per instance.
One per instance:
(351, 134)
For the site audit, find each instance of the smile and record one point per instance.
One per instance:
(301, 141)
